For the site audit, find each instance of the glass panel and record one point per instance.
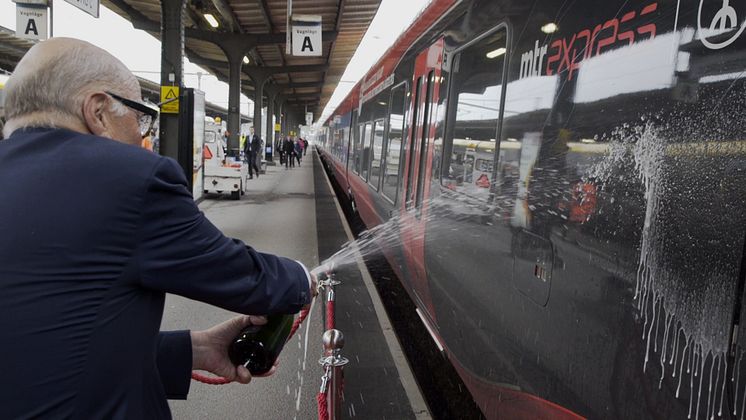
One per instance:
(365, 141)
(423, 141)
(357, 134)
(377, 147)
(476, 91)
(412, 142)
(393, 146)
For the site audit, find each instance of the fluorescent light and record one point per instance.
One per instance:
(245, 60)
(381, 103)
(549, 28)
(211, 20)
(588, 141)
(496, 53)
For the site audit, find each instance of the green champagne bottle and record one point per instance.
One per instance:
(258, 346)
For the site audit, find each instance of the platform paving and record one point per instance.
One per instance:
(292, 213)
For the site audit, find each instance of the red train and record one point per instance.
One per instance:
(567, 180)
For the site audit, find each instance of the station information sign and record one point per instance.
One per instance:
(31, 21)
(89, 6)
(306, 35)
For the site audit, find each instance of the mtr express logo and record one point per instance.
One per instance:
(566, 54)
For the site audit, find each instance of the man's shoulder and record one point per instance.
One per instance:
(97, 154)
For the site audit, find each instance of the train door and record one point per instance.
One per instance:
(418, 168)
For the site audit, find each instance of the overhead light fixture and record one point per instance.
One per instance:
(381, 103)
(211, 20)
(245, 60)
(496, 53)
(549, 28)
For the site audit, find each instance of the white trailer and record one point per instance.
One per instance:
(223, 174)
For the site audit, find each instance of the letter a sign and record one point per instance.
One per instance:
(306, 35)
(31, 22)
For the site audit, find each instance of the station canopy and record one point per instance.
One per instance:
(310, 81)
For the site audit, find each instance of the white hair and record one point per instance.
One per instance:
(45, 89)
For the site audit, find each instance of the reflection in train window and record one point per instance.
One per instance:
(376, 149)
(393, 146)
(473, 115)
(365, 153)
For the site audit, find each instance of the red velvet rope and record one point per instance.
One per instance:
(216, 380)
(330, 315)
(323, 411)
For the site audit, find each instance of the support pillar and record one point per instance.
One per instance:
(234, 49)
(172, 70)
(272, 92)
(259, 77)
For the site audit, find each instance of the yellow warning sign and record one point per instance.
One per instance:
(170, 99)
(277, 127)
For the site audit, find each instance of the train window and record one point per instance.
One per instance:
(365, 155)
(423, 139)
(391, 164)
(376, 153)
(412, 142)
(356, 135)
(351, 141)
(475, 97)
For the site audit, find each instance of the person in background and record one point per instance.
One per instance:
(252, 148)
(305, 146)
(289, 148)
(298, 150)
(91, 243)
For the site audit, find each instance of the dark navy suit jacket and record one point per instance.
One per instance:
(93, 233)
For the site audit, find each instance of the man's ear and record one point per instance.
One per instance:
(96, 118)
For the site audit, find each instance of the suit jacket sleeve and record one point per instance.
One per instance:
(181, 252)
(174, 359)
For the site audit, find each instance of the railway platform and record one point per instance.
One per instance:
(294, 213)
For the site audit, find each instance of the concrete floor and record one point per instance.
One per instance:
(276, 215)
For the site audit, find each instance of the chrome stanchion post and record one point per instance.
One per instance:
(333, 362)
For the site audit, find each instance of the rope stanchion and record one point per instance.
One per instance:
(216, 380)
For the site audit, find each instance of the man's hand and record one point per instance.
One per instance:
(210, 348)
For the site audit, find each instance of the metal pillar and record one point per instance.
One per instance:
(172, 70)
(272, 92)
(235, 61)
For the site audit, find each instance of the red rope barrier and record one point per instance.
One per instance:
(216, 380)
(330, 315)
(323, 411)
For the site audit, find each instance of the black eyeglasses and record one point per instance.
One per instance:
(146, 115)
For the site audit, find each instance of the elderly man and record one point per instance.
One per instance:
(94, 230)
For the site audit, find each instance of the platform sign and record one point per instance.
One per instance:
(89, 6)
(306, 35)
(170, 99)
(309, 118)
(31, 21)
(278, 128)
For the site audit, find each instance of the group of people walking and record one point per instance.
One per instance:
(291, 150)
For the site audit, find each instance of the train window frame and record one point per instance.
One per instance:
(423, 147)
(350, 140)
(402, 140)
(411, 143)
(365, 166)
(454, 55)
(376, 123)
